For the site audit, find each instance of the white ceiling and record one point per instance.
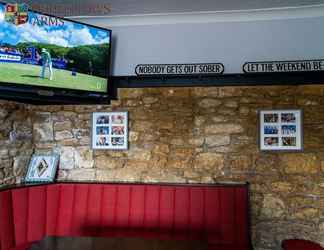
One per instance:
(147, 12)
(140, 7)
(134, 7)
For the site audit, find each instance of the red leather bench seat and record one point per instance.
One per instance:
(300, 244)
(216, 213)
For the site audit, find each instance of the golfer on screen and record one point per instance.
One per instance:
(47, 62)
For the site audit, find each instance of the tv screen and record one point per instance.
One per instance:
(41, 50)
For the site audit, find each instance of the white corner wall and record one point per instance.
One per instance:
(229, 42)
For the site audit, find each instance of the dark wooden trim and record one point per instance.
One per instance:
(218, 184)
(248, 216)
(35, 99)
(256, 79)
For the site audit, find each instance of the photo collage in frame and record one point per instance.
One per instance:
(281, 130)
(110, 130)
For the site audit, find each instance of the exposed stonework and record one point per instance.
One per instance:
(273, 207)
(226, 128)
(188, 135)
(43, 127)
(16, 147)
(217, 140)
(209, 161)
(300, 163)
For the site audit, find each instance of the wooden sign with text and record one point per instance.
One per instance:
(179, 69)
(284, 66)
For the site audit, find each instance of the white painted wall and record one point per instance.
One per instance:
(230, 42)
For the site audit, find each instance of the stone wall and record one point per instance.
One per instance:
(15, 142)
(192, 135)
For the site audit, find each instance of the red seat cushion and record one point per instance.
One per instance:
(298, 244)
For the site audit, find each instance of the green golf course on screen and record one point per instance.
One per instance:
(42, 50)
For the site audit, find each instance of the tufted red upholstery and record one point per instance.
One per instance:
(216, 213)
(299, 244)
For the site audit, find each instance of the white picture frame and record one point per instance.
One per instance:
(110, 130)
(281, 130)
(42, 168)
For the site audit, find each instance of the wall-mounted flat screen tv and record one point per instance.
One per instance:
(40, 53)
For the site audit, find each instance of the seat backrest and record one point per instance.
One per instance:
(216, 213)
(6, 221)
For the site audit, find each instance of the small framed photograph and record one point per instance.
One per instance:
(42, 168)
(281, 130)
(110, 130)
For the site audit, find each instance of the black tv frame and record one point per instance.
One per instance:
(42, 95)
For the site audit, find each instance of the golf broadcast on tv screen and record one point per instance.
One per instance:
(42, 50)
